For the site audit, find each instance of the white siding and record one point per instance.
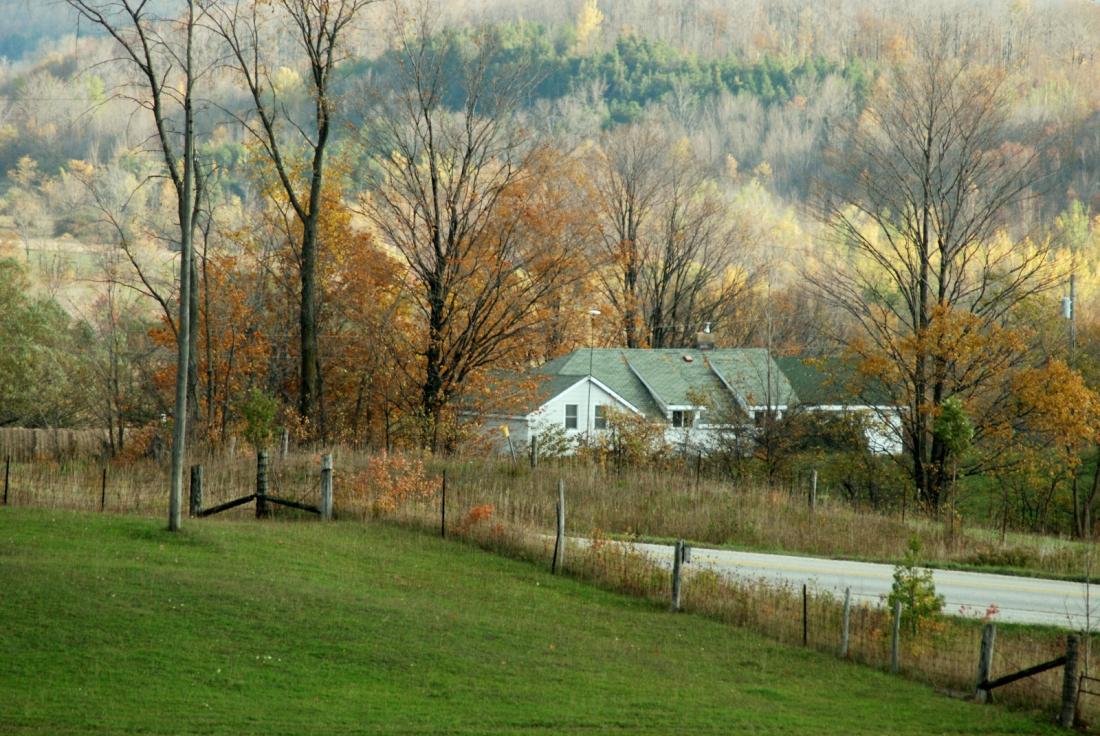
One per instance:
(518, 431)
(883, 430)
(553, 411)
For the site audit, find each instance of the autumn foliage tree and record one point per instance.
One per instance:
(460, 195)
(670, 257)
(296, 145)
(920, 200)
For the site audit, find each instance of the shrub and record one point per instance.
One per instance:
(476, 515)
(390, 482)
(914, 587)
(553, 442)
(258, 411)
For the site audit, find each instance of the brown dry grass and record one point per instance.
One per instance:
(645, 503)
(44, 445)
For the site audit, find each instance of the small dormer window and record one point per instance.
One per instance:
(683, 418)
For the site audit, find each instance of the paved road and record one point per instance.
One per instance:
(1018, 599)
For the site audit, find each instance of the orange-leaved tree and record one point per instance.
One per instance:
(920, 202)
(457, 192)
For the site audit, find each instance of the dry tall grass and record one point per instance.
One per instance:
(647, 503)
(26, 445)
(660, 504)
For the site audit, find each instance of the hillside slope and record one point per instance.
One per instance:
(112, 625)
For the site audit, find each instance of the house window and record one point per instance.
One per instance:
(570, 416)
(683, 418)
(600, 418)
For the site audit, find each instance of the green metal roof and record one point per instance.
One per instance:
(832, 382)
(653, 379)
(609, 368)
(754, 376)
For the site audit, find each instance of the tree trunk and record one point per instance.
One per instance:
(183, 338)
(307, 323)
(193, 411)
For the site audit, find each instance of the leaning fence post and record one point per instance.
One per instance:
(985, 662)
(196, 490)
(7, 476)
(261, 484)
(559, 540)
(677, 562)
(895, 639)
(813, 490)
(845, 622)
(326, 487)
(103, 491)
(1069, 684)
(443, 507)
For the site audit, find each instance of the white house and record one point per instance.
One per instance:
(694, 393)
(697, 394)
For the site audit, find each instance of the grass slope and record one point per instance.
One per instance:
(111, 625)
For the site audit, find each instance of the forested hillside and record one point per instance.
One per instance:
(389, 205)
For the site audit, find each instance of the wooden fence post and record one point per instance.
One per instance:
(805, 616)
(443, 507)
(985, 662)
(103, 491)
(895, 639)
(677, 563)
(559, 540)
(698, 468)
(284, 445)
(813, 490)
(534, 451)
(845, 623)
(1069, 684)
(261, 484)
(7, 477)
(196, 490)
(326, 487)
(511, 447)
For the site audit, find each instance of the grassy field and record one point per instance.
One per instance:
(111, 625)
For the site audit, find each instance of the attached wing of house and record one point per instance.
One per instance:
(833, 385)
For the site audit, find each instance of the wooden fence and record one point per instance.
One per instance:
(24, 445)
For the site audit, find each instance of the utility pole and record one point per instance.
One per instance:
(592, 314)
(1072, 317)
(1069, 313)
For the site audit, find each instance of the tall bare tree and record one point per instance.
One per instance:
(161, 50)
(697, 266)
(321, 29)
(630, 180)
(455, 194)
(672, 258)
(932, 173)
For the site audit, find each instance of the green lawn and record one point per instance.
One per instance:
(111, 625)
